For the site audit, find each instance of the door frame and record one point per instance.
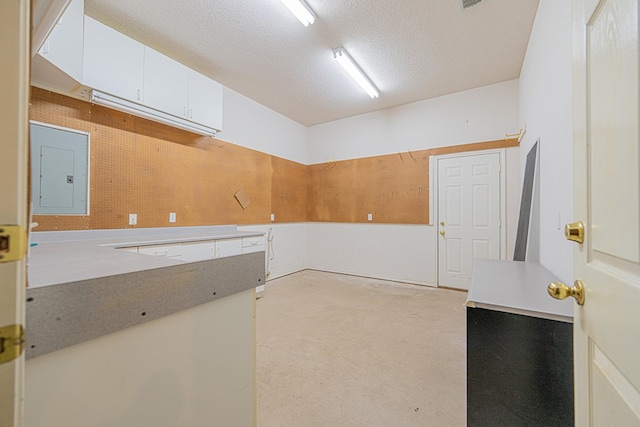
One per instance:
(434, 199)
(14, 114)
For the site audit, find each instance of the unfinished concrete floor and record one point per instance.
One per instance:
(335, 350)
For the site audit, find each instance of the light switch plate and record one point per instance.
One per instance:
(172, 217)
(133, 219)
(370, 217)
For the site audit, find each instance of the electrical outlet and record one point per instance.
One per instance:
(172, 217)
(133, 219)
(273, 217)
(370, 217)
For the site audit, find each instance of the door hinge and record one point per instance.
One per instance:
(13, 243)
(12, 340)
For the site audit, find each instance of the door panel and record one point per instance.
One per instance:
(14, 137)
(468, 215)
(607, 200)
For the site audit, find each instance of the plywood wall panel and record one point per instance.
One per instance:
(139, 166)
(143, 167)
(393, 188)
(288, 190)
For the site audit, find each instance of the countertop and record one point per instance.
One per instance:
(516, 287)
(70, 256)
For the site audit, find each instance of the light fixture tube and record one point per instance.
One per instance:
(140, 110)
(301, 10)
(354, 71)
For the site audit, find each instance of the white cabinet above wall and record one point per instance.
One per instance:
(166, 83)
(175, 89)
(203, 107)
(86, 59)
(113, 62)
(126, 75)
(58, 62)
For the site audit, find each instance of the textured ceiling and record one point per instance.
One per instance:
(411, 50)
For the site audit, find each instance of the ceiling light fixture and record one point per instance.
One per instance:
(301, 10)
(354, 71)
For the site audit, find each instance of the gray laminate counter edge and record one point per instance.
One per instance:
(70, 256)
(89, 288)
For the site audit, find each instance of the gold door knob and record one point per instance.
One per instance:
(442, 232)
(574, 231)
(561, 291)
(442, 223)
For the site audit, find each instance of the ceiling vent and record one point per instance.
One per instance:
(468, 3)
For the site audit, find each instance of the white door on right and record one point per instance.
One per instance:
(468, 215)
(607, 201)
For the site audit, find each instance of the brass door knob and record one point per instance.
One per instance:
(574, 231)
(442, 223)
(561, 291)
(442, 232)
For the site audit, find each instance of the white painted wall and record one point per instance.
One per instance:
(545, 109)
(475, 115)
(191, 368)
(395, 252)
(250, 124)
(408, 252)
(288, 250)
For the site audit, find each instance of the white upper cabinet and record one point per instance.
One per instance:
(166, 84)
(205, 100)
(113, 62)
(58, 63)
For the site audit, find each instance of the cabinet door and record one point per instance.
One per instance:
(205, 100)
(199, 251)
(113, 63)
(228, 247)
(63, 49)
(166, 83)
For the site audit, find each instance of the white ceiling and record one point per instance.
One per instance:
(410, 49)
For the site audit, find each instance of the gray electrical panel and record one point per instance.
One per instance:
(59, 170)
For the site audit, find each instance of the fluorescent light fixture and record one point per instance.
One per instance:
(354, 71)
(301, 10)
(140, 110)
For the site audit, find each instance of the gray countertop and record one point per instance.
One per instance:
(71, 256)
(516, 287)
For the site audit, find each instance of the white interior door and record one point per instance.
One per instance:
(468, 215)
(14, 86)
(607, 188)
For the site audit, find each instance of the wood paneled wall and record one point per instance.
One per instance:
(394, 188)
(139, 166)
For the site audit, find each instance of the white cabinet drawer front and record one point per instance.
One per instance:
(252, 249)
(161, 250)
(253, 241)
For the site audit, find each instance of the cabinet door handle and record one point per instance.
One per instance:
(191, 113)
(138, 95)
(184, 111)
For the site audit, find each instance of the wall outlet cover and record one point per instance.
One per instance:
(133, 219)
(172, 217)
(273, 217)
(370, 217)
